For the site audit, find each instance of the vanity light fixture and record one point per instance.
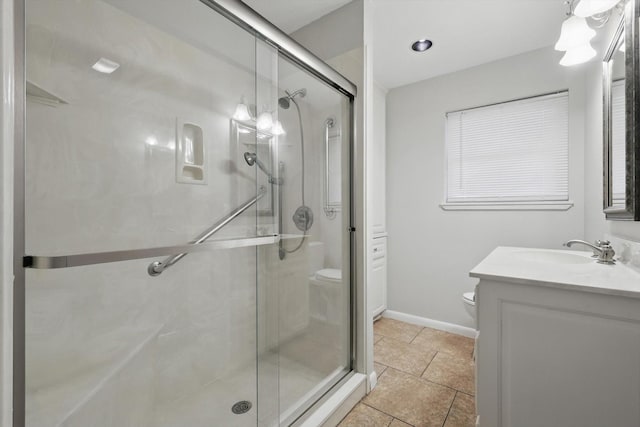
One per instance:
(105, 66)
(578, 55)
(264, 121)
(421, 45)
(277, 129)
(575, 39)
(242, 112)
(574, 32)
(587, 8)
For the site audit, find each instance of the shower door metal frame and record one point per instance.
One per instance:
(250, 20)
(19, 307)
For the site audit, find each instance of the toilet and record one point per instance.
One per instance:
(325, 287)
(469, 300)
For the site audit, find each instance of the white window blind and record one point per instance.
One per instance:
(618, 138)
(516, 151)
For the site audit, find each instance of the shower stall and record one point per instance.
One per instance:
(183, 264)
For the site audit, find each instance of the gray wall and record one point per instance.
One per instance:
(430, 250)
(335, 33)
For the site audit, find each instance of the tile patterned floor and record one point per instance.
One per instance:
(425, 379)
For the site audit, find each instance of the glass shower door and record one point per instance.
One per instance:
(132, 153)
(304, 281)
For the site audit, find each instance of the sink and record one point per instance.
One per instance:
(553, 257)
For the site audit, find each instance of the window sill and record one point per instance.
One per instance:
(507, 206)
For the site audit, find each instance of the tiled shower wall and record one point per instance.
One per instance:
(108, 343)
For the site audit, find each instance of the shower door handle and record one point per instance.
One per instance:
(175, 253)
(78, 260)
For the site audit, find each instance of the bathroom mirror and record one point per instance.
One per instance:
(620, 120)
(614, 125)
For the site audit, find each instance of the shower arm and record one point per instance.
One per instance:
(157, 267)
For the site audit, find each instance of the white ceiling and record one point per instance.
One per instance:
(465, 33)
(290, 15)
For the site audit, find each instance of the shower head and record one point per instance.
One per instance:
(252, 159)
(284, 102)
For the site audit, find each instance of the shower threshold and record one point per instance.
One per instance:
(302, 405)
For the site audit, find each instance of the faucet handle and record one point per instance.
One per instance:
(601, 244)
(607, 255)
(603, 249)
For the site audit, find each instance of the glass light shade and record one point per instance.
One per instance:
(277, 128)
(575, 32)
(586, 8)
(242, 112)
(578, 55)
(265, 121)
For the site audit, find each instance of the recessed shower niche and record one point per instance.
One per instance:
(190, 154)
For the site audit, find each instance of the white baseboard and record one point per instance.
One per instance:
(430, 323)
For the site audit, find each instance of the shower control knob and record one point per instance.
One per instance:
(303, 218)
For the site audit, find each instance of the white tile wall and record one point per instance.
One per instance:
(108, 345)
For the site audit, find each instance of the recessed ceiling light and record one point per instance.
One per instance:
(421, 45)
(105, 66)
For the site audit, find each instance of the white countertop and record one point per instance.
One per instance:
(547, 267)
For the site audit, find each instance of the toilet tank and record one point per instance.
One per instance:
(315, 252)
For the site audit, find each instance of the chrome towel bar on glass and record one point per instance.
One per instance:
(176, 252)
(78, 260)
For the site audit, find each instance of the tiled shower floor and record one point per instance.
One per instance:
(425, 379)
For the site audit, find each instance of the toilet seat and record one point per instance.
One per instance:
(469, 298)
(329, 275)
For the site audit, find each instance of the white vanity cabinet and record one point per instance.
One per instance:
(376, 207)
(559, 342)
(378, 276)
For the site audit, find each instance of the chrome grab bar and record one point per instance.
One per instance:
(157, 267)
(329, 210)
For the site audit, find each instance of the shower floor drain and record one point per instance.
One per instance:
(241, 407)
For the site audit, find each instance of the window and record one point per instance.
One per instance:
(508, 154)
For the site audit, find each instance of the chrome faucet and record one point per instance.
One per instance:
(602, 249)
(599, 243)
